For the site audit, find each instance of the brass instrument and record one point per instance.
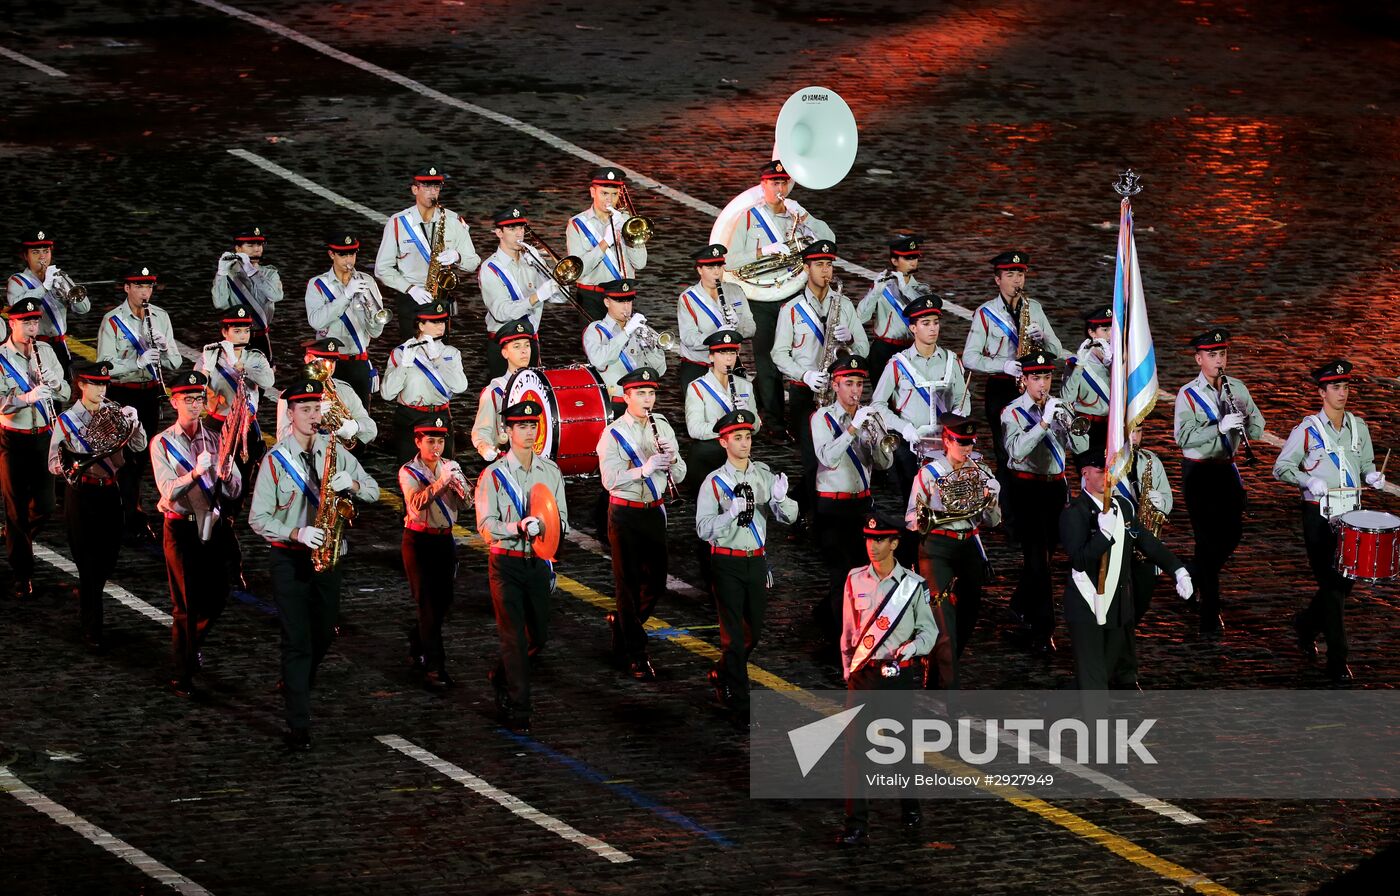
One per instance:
(1149, 518)
(1069, 423)
(1025, 344)
(66, 291)
(563, 271)
(320, 370)
(441, 278)
(964, 495)
(370, 300)
(770, 270)
(649, 340)
(636, 230)
(1233, 406)
(875, 433)
(458, 480)
(107, 432)
(672, 492)
(234, 436)
(745, 491)
(335, 511)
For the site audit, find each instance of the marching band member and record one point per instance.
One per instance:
(285, 502)
(612, 345)
(184, 458)
(360, 425)
(801, 353)
(729, 517)
(993, 341)
(765, 230)
(886, 627)
(343, 303)
(92, 504)
(31, 383)
(434, 494)
(520, 581)
(513, 287)
(595, 236)
(1101, 624)
(924, 383)
(845, 458)
(638, 459)
(424, 375)
(718, 393)
(886, 302)
(39, 280)
(242, 280)
(489, 437)
(1085, 389)
(1209, 427)
(406, 249)
(224, 364)
(951, 551)
(1328, 456)
(1036, 447)
(1146, 481)
(136, 339)
(707, 306)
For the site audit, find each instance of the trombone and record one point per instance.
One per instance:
(563, 271)
(636, 230)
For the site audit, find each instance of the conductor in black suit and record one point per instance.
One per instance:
(1100, 625)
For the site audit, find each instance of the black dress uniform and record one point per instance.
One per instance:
(196, 546)
(92, 504)
(31, 384)
(433, 496)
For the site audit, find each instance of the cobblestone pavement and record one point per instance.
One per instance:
(1266, 134)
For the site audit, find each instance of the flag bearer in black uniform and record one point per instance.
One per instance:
(1146, 481)
(31, 384)
(434, 493)
(520, 580)
(886, 627)
(1037, 446)
(637, 464)
(185, 458)
(1210, 427)
(735, 529)
(1100, 624)
(92, 503)
(1328, 456)
(285, 500)
(952, 552)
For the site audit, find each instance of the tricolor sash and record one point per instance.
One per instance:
(432, 377)
(23, 384)
(692, 294)
(311, 494)
(344, 317)
(1049, 437)
(928, 395)
(850, 451)
(425, 481)
(729, 493)
(1010, 331)
(1212, 415)
(761, 217)
(75, 432)
(505, 278)
(622, 356)
(413, 237)
(885, 618)
(593, 241)
(203, 482)
(246, 303)
(801, 308)
(1319, 431)
(713, 394)
(889, 295)
(636, 461)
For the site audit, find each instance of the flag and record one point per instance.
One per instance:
(1133, 380)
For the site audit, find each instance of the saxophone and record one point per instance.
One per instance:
(831, 349)
(333, 419)
(1025, 345)
(441, 278)
(334, 512)
(1149, 517)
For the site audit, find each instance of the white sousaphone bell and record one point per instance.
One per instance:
(815, 138)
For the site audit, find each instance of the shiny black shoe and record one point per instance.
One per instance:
(723, 692)
(911, 818)
(437, 681)
(21, 589)
(1307, 643)
(1341, 675)
(298, 740)
(851, 836)
(498, 688)
(642, 670)
(520, 724)
(615, 636)
(182, 688)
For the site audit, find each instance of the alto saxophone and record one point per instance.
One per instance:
(830, 347)
(1025, 344)
(333, 514)
(441, 278)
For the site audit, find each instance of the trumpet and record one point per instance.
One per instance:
(369, 299)
(1068, 422)
(458, 480)
(66, 291)
(648, 340)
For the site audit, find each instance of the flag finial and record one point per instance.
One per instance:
(1128, 184)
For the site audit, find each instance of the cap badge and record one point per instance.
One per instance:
(515, 212)
(611, 176)
(437, 421)
(778, 168)
(257, 231)
(913, 245)
(1015, 258)
(40, 234)
(432, 171)
(1218, 337)
(348, 239)
(715, 252)
(145, 272)
(193, 380)
(308, 388)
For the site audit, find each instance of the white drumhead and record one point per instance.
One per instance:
(1370, 520)
(530, 383)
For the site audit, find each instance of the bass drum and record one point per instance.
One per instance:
(576, 411)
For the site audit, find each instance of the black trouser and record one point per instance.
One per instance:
(706, 455)
(132, 474)
(430, 563)
(404, 418)
(232, 508)
(520, 597)
(1098, 649)
(308, 603)
(591, 298)
(60, 351)
(741, 597)
(1037, 504)
(27, 486)
(1000, 391)
(1325, 613)
(767, 378)
(801, 405)
(199, 588)
(941, 558)
(880, 354)
(496, 362)
(1144, 574)
(905, 469)
(869, 678)
(639, 558)
(689, 371)
(1215, 502)
(839, 524)
(93, 514)
(356, 374)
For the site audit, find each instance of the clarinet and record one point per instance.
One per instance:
(672, 492)
(733, 393)
(1235, 407)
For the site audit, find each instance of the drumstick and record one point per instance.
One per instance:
(1386, 461)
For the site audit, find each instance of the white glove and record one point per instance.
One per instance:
(420, 295)
(325, 407)
(1106, 350)
(342, 481)
(1375, 479)
(907, 650)
(815, 379)
(773, 249)
(911, 435)
(39, 393)
(226, 263)
(666, 446)
(794, 208)
(1106, 524)
(348, 430)
(842, 333)
(1316, 486)
(49, 273)
(1011, 368)
(1157, 501)
(738, 505)
(150, 356)
(531, 526)
(633, 324)
(862, 415)
(249, 269)
(359, 286)
(656, 463)
(1231, 422)
(129, 412)
(547, 291)
(1051, 406)
(619, 216)
(607, 238)
(449, 256)
(311, 536)
(1184, 586)
(780, 487)
(993, 487)
(1035, 333)
(203, 462)
(431, 347)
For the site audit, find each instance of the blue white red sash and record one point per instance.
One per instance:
(724, 405)
(311, 494)
(593, 241)
(413, 237)
(801, 308)
(344, 317)
(425, 481)
(1010, 331)
(1049, 439)
(695, 296)
(636, 461)
(850, 451)
(202, 481)
(23, 384)
(761, 216)
(729, 493)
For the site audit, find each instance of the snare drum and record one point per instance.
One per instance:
(1368, 545)
(576, 411)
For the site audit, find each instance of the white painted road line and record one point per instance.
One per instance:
(32, 63)
(95, 835)
(114, 591)
(500, 797)
(309, 185)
